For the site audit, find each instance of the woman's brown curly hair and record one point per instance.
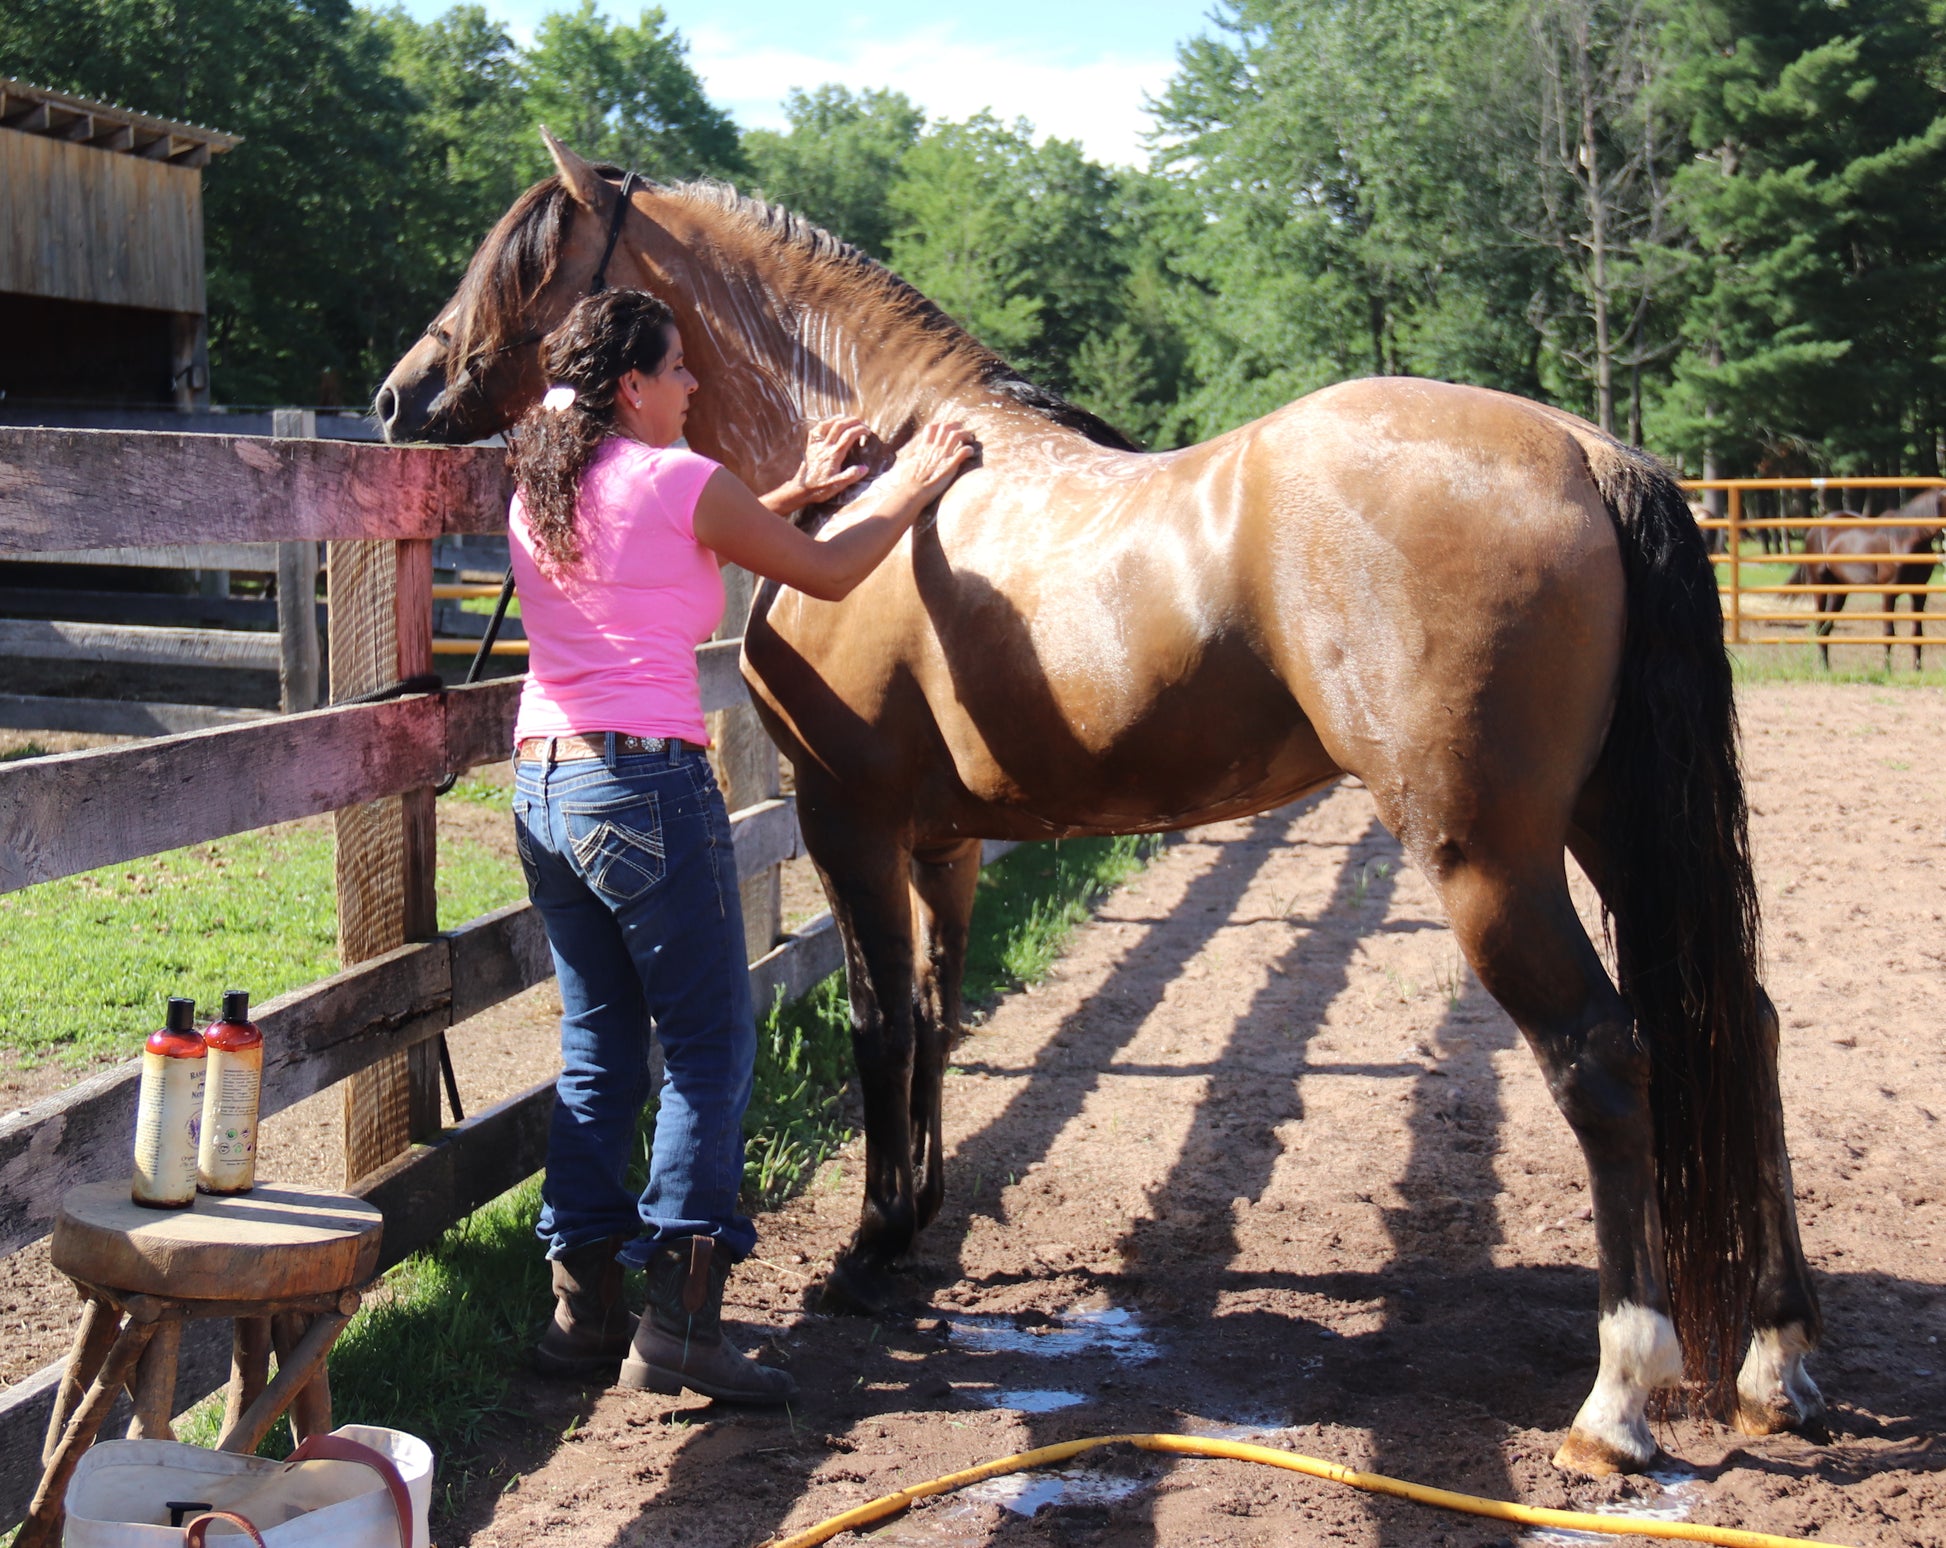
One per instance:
(604, 338)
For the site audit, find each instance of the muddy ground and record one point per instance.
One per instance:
(1261, 1160)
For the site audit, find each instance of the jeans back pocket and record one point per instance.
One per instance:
(617, 843)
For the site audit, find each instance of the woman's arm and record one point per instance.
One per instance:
(738, 527)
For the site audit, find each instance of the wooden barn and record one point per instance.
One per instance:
(101, 253)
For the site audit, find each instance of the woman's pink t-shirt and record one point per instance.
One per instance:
(612, 639)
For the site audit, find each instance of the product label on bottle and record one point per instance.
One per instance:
(226, 1161)
(168, 1121)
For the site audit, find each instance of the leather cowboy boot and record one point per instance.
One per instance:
(679, 1342)
(591, 1326)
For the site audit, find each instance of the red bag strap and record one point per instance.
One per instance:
(195, 1531)
(340, 1448)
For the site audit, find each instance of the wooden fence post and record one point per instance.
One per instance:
(297, 593)
(381, 633)
(747, 768)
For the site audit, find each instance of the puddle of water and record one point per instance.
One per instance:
(1680, 1489)
(1111, 1331)
(1025, 1493)
(1028, 1400)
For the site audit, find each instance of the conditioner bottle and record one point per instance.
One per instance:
(226, 1161)
(169, 1111)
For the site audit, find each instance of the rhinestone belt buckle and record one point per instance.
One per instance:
(629, 743)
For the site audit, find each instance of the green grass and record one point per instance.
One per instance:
(252, 912)
(486, 605)
(1799, 664)
(432, 1353)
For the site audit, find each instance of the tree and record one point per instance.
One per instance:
(1013, 239)
(1606, 154)
(1820, 313)
(627, 95)
(1360, 183)
(839, 160)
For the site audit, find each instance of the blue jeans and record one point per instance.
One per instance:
(628, 861)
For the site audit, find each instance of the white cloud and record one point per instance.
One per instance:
(1096, 100)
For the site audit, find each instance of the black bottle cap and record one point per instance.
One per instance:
(182, 1014)
(236, 1005)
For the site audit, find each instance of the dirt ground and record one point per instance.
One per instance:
(1261, 1160)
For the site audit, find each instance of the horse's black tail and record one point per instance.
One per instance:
(1684, 915)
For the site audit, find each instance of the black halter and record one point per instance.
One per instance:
(600, 282)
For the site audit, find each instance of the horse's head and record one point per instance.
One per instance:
(477, 369)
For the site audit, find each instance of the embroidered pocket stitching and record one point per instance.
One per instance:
(608, 845)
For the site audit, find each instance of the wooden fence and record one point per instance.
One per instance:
(1740, 617)
(373, 1026)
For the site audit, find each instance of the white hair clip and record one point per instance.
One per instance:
(558, 397)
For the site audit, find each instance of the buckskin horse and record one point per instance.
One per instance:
(1878, 551)
(1499, 619)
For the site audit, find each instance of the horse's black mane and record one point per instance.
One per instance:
(518, 259)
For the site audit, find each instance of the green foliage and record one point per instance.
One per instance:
(254, 912)
(1012, 238)
(1819, 139)
(1707, 223)
(627, 95)
(839, 160)
(377, 151)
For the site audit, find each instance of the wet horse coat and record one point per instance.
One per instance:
(1500, 620)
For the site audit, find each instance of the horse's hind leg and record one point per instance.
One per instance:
(943, 885)
(1774, 1390)
(1517, 925)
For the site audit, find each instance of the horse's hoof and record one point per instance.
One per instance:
(1592, 1457)
(853, 1290)
(1779, 1417)
(1775, 1393)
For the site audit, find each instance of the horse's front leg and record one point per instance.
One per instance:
(943, 883)
(866, 876)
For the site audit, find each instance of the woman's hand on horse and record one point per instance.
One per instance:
(732, 522)
(927, 463)
(822, 474)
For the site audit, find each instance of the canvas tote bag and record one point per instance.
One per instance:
(359, 1487)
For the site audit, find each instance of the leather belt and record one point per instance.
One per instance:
(558, 749)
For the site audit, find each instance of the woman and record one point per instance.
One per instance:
(617, 538)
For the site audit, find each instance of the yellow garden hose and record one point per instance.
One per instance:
(1269, 1456)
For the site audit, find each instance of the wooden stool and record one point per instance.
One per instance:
(284, 1261)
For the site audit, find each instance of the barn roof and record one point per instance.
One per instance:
(36, 110)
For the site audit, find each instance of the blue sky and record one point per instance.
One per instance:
(1075, 68)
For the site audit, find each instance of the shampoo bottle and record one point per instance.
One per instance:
(169, 1112)
(226, 1161)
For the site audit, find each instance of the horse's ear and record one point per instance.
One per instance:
(577, 176)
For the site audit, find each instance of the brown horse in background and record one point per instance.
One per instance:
(1498, 618)
(1876, 552)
